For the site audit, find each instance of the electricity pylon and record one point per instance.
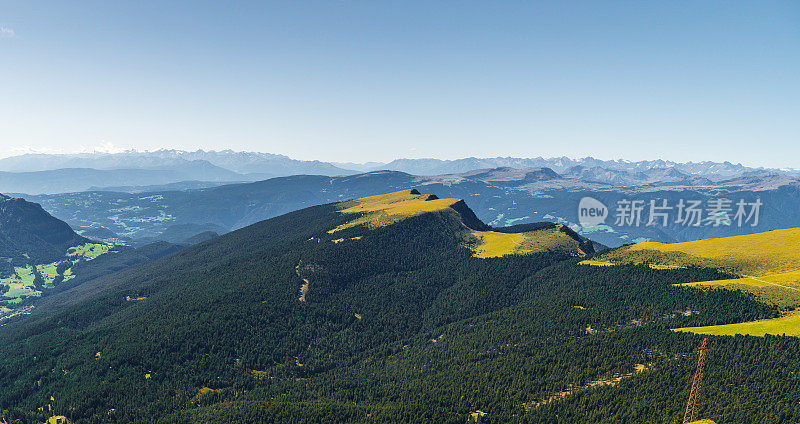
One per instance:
(698, 378)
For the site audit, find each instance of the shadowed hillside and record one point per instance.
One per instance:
(28, 234)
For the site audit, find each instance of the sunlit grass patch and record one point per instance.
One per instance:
(20, 285)
(788, 279)
(88, 251)
(385, 209)
(753, 254)
(493, 244)
(594, 262)
(788, 325)
(68, 274)
(135, 299)
(18, 291)
(21, 280)
(659, 266)
(49, 270)
(25, 275)
(206, 390)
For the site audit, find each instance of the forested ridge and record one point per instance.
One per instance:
(400, 324)
(29, 235)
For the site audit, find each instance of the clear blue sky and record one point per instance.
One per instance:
(375, 80)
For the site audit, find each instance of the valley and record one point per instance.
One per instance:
(45, 256)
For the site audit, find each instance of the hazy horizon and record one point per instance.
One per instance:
(108, 150)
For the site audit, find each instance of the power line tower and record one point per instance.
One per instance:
(698, 378)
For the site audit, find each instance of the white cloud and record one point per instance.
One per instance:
(6, 32)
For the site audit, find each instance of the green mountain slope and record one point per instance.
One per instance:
(28, 234)
(308, 317)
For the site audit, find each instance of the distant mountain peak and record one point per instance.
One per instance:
(712, 170)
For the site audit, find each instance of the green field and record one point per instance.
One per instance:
(766, 264)
(87, 251)
(20, 285)
(18, 291)
(787, 280)
(21, 281)
(49, 271)
(787, 325)
(25, 274)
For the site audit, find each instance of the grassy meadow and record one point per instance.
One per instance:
(386, 209)
(786, 325)
(761, 254)
(781, 289)
(493, 244)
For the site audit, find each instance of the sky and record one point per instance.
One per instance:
(356, 81)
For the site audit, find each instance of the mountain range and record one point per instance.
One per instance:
(266, 164)
(44, 173)
(710, 170)
(131, 170)
(67, 180)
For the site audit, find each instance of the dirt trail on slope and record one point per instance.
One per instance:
(304, 287)
(303, 290)
(769, 282)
